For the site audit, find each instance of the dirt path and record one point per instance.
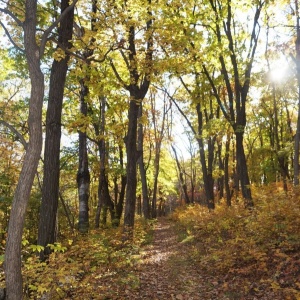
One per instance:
(168, 271)
(165, 270)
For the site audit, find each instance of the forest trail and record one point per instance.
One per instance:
(166, 271)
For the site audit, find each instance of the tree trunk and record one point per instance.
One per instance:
(158, 136)
(83, 174)
(120, 204)
(206, 170)
(243, 170)
(120, 200)
(141, 164)
(229, 192)
(131, 141)
(221, 178)
(13, 275)
(138, 88)
(50, 189)
(297, 135)
(104, 200)
(181, 179)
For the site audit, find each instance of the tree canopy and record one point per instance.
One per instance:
(114, 109)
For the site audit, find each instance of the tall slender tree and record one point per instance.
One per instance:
(33, 52)
(159, 133)
(140, 73)
(83, 173)
(297, 61)
(50, 188)
(235, 66)
(142, 167)
(104, 199)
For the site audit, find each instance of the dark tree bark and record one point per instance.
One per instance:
(83, 174)
(141, 164)
(242, 169)
(131, 140)
(104, 199)
(297, 135)
(206, 168)
(220, 189)
(236, 83)
(33, 52)
(120, 201)
(138, 87)
(228, 191)
(50, 188)
(181, 179)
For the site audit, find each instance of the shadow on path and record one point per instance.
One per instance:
(165, 271)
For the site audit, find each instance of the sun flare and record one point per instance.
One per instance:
(278, 70)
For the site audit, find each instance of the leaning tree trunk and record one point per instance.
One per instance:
(13, 275)
(50, 189)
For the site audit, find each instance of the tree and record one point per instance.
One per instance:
(104, 199)
(297, 61)
(83, 173)
(159, 133)
(140, 73)
(142, 167)
(235, 67)
(33, 53)
(50, 188)
(181, 177)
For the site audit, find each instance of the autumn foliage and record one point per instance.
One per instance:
(251, 254)
(242, 253)
(83, 266)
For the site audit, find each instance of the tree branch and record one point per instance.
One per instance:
(212, 84)
(181, 111)
(125, 59)
(8, 12)
(53, 25)
(16, 132)
(118, 75)
(10, 38)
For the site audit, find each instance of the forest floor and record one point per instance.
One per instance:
(194, 254)
(167, 269)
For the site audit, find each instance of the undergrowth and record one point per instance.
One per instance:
(257, 250)
(244, 254)
(85, 266)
